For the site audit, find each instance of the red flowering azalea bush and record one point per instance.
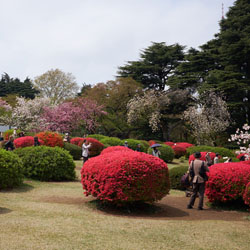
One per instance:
(76, 140)
(95, 148)
(169, 143)
(246, 195)
(184, 144)
(25, 141)
(50, 139)
(203, 156)
(227, 181)
(125, 176)
(151, 142)
(179, 151)
(113, 149)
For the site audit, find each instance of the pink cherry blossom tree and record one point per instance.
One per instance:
(68, 116)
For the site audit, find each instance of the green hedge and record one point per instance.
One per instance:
(132, 144)
(221, 151)
(47, 163)
(111, 141)
(11, 169)
(167, 153)
(175, 175)
(74, 150)
(97, 136)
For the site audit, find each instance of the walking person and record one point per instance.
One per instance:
(36, 141)
(85, 150)
(156, 152)
(198, 169)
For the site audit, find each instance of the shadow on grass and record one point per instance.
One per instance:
(138, 209)
(4, 210)
(20, 189)
(237, 205)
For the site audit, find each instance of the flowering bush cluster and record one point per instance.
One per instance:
(95, 148)
(227, 181)
(151, 142)
(184, 144)
(241, 136)
(113, 149)
(179, 151)
(76, 140)
(169, 143)
(25, 141)
(246, 195)
(50, 139)
(125, 176)
(203, 156)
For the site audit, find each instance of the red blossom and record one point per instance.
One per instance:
(26, 141)
(179, 151)
(169, 143)
(114, 149)
(203, 156)
(50, 139)
(151, 142)
(125, 176)
(246, 195)
(227, 181)
(184, 144)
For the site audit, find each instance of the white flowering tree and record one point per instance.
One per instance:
(26, 113)
(242, 138)
(208, 118)
(162, 109)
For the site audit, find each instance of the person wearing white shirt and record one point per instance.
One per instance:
(85, 150)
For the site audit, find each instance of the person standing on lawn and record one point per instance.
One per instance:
(199, 169)
(85, 150)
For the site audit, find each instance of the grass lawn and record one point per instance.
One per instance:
(50, 215)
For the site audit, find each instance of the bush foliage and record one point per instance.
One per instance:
(74, 150)
(227, 181)
(111, 141)
(11, 169)
(167, 153)
(132, 144)
(50, 139)
(179, 151)
(125, 176)
(246, 195)
(113, 149)
(47, 163)
(223, 152)
(26, 141)
(175, 175)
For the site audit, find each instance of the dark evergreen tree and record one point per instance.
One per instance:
(9, 86)
(156, 64)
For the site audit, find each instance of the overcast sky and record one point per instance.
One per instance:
(91, 38)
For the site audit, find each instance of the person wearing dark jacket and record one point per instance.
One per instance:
(199, 169)
(36, 141)
(9, 145)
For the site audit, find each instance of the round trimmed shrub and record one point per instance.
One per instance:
(184, 144)
(145, 143)
(227, 181)
(167, 153)
(246, 195)
(179, 151)
(50, 139)
(223, 152)
(46, 163)
(74, 150)
(111, 141)
(26, 141)
(124, 177)
(169, 143)
(175, 175)
(11, 169)
(76, 140)
(97, 136)
(133, 144)
(203, 156)
(95, 148)
(151, 142)
(113, 149)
